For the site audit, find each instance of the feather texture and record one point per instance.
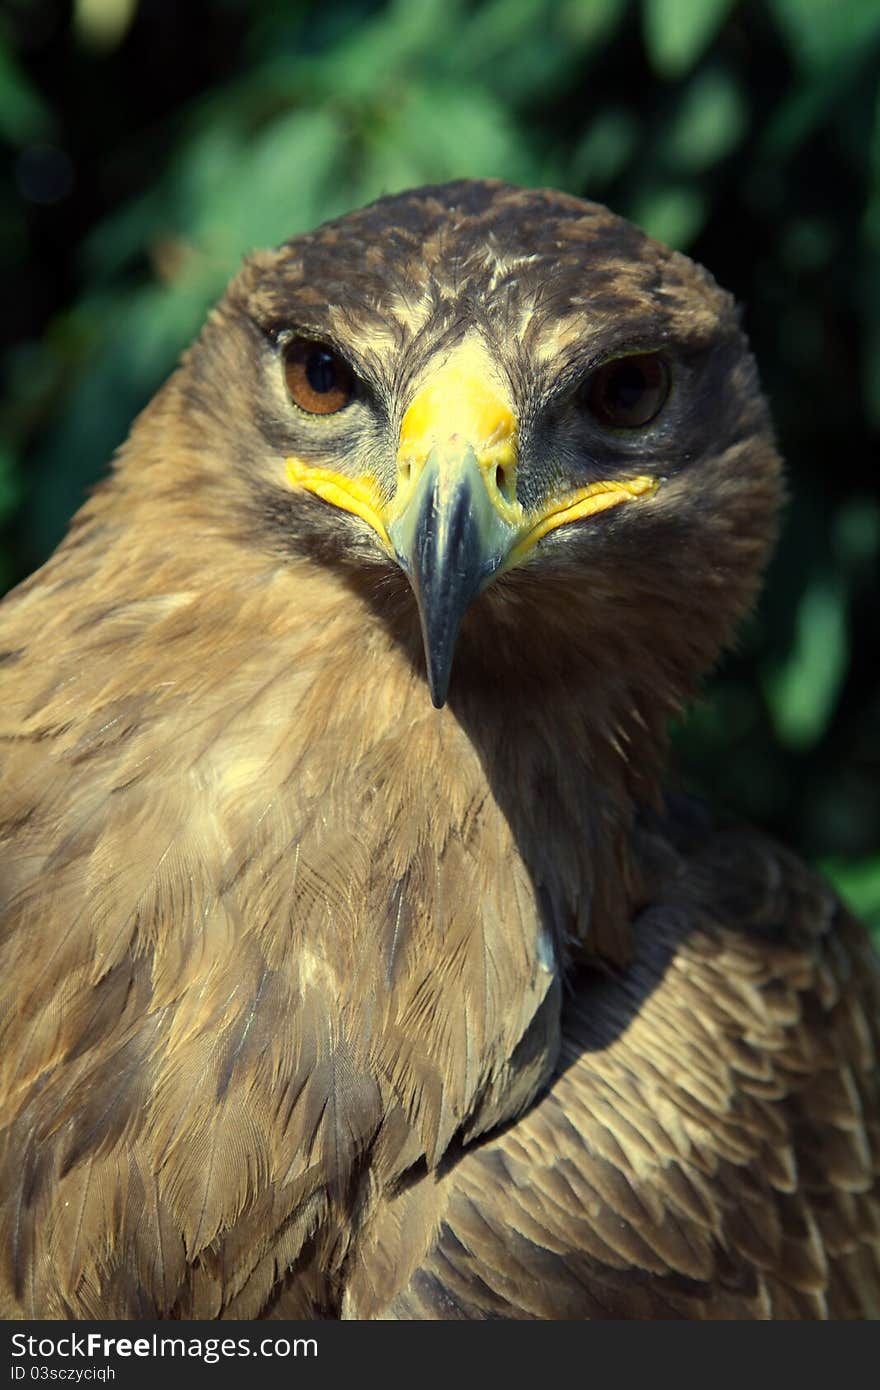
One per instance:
(320, 1002)
(707, 1150)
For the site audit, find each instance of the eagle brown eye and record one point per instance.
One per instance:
(629, 392)
(318, 379)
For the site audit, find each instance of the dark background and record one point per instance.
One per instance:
(150, 143)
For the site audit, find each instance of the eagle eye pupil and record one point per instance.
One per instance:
(627, 386)
(321, 371)
(319, 381)
(630, 392)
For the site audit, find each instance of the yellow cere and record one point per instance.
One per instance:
(461, 407)
(358, 495)
(585, 501)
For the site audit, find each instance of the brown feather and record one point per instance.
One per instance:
(321, 1002)
(547, 1218)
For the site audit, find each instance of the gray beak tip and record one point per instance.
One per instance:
(438, 679)
(448, 542)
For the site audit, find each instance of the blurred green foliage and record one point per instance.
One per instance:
(151, 144)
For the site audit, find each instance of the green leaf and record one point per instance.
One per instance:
(497, 27)
(678, 32)
(827, 33)
(803, 690)
(102, 24)
(23, 116)
(709, 123)
(442, 132)
(673, 215)
(590, 23)
(858, 883)
(856, 534)
(605, 149)
(281, 182)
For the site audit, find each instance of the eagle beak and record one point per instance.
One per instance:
(450, 538)
(454, 516)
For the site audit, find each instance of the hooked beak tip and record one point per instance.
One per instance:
(438, 684)
(449, 540)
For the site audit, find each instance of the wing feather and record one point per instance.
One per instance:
(705, 1151)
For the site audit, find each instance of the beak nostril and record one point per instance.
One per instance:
(404, 469)
(501, 479)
